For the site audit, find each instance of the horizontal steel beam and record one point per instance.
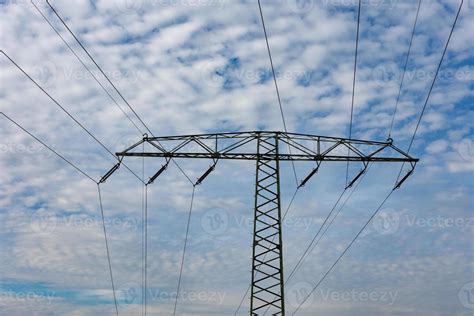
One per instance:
(282, 157)
(243, 146)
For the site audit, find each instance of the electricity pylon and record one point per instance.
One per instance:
(268, 149)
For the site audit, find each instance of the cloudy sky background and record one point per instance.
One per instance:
(202, 66)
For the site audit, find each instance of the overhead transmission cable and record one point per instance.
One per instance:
(178, 288)
(342, 206)
(432, 83)
(87, 68)
(314, 243)
(107, 248)
(353, 85)
(404, 69)
(68, 113)
(49, 148)
(110, 82)
(145, 287)
(391, 192)
(97, 65)
(343, 253)
(144, 236)
(98, 188)
(337, 213)
(276, 85)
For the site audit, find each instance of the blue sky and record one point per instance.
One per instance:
(202, 66)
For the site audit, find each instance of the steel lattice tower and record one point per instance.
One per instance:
(268, 149)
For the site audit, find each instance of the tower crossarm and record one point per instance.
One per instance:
(243, 146)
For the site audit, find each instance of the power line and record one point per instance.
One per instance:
(306, 252)
(110, 82)
(404, 69)
(313, 244)
(49, 148)
(432, 84)
(86, 67)
(334, 218)
(97, 65)
(146, 249)
(390, 193)
(143, 234)
(67, 112)
(107, 248)
(87, 176)
(276, 84)
(344, 252)
(353, 85)
(436, 75)
(184, 251)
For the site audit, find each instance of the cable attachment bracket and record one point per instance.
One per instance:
(366, 164)
(159, 172)
(205, 174)
(409, 173)
(310, 175)
(110, 172)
